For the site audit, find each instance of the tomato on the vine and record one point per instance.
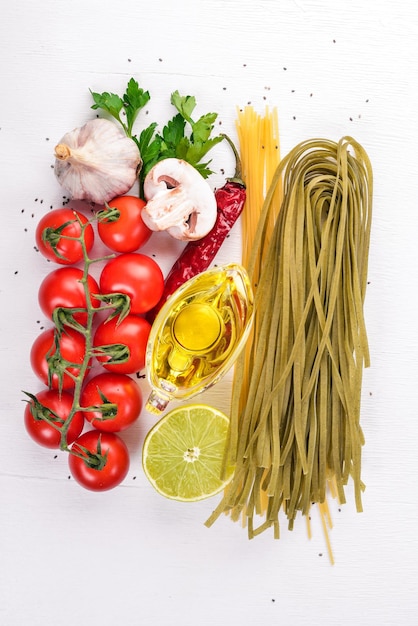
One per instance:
(118, 390)
(133, 332)
(56, 407)
(63, 288)
(99, 461)
(72, 345)
(136, 275)
(127, 232)
(56, 236)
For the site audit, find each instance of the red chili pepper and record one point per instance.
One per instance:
(198, 255)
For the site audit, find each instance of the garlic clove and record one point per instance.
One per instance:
(179, 200)
(96, 162)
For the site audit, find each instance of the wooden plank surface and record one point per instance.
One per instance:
(332, 68)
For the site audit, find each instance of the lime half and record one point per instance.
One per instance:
(183, 453)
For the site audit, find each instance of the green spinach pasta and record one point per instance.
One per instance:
(295, 416)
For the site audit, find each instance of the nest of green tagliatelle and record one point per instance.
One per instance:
(295, 413)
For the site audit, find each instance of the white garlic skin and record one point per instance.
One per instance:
(96, 162)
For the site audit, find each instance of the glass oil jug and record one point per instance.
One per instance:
(198, 334)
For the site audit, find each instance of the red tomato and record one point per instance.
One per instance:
(136, 275)
(117, 389)
(57, 407)
(55, 245)
(133, 332)
(128, 232)
(62, 287)
(72, 347)
(115, 466)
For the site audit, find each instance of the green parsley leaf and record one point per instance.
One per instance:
(134, 100)
(185, 105)
(109, 102)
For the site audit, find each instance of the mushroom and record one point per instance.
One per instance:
(179, 200)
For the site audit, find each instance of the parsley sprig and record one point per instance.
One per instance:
(134, 99)
(182, 137)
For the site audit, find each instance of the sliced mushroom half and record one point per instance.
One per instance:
(179, 200)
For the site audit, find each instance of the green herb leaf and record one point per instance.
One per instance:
(185, 105)
(134, 100)
(203, 127)
(149, 148)
(173, 133)
(108, 102)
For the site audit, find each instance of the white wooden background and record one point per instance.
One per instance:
(332, 67)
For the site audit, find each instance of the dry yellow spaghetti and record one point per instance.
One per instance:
(258, 137)
(259, 143)
(295, 426)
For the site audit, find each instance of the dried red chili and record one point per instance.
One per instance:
(198, 255)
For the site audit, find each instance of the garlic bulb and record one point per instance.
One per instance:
(96, 162)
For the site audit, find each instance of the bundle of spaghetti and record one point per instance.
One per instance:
(299, 426)
(259, 142)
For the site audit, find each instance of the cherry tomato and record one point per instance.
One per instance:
(115, 467)
(133, 332)
(72, 347)
(63, 288)
(128, 232)
(57, 407)
(55, 246)
(136, 275)
(117, 389)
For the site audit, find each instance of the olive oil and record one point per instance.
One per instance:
(198, 334)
